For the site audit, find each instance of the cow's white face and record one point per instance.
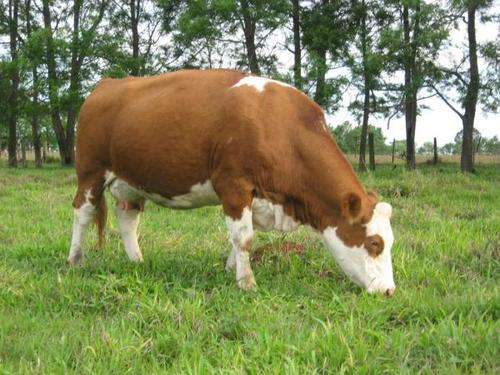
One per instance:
(368, 265)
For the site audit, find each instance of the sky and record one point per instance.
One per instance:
(439, 120)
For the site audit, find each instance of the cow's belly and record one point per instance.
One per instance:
(265, 214)
(201, 194)
(268, 216)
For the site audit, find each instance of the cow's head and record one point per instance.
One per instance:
(361, 242)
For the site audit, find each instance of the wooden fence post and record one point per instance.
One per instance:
(435, 160)
(371, 150)
(393, 149)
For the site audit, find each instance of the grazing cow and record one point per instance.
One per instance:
(259, 147)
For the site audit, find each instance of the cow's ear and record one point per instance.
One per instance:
(351, 207)
(373, 196)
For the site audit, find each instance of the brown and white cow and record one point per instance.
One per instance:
(259, 147)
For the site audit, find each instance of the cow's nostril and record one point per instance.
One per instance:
(389, 292)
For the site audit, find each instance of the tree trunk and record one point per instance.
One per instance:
(320, 93)
(35, 130)
(14, 83)
(53, 88)
(249, 31)
(34, 114)
(74, 86)
(410, 88)
(297, 51)
(366, 89)
(364, 131)
(467, 159)
(135, 6)
(371, 149)
(65, 136)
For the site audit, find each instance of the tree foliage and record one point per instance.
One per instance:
(347, 137)
(388, 53)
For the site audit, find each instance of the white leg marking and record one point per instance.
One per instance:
(241, 233)
(231, 261)
(128, 220)
(82, 218)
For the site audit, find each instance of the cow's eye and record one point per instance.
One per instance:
(374, 245)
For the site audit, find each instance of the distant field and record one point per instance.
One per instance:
(180, 313)
(379, 159)
(387, 159)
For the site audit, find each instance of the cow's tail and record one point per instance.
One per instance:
(100, 220)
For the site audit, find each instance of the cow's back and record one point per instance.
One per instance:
(146, 130)
(166, 133)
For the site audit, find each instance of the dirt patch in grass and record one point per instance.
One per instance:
(281, 248)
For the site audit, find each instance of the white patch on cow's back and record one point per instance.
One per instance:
(258, 83)
(268, 216)
(199, 195)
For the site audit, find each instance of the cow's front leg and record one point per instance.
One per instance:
(241, 234)
(127, 214)
(231, 260)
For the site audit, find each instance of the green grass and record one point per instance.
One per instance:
(179, 312)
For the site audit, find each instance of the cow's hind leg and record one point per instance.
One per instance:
(88, 203)
(129, 205)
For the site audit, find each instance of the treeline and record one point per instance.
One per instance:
(392, 54)
(348, 137)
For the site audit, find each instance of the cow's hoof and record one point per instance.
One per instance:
(136, 259)
(230, 266)
(247, 283)
(76, 259)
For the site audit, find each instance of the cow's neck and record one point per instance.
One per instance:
(325, 177)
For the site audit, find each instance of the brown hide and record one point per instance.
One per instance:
(166, 133)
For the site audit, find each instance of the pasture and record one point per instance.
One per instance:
(179, 312)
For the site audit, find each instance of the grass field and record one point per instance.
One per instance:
(180, 313)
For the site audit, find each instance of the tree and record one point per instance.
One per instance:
(297, 45)
(491, 146)
(81, 40)
(466, 81)
(4, 92)
(427, 148)
(348, 138)
(207, 28)
(366, 65)
(34, 108)
(476, 137)
(411, 80)
(411, 46)
(138, 49)
(450, 149)
(14, 81)
(328, 26)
